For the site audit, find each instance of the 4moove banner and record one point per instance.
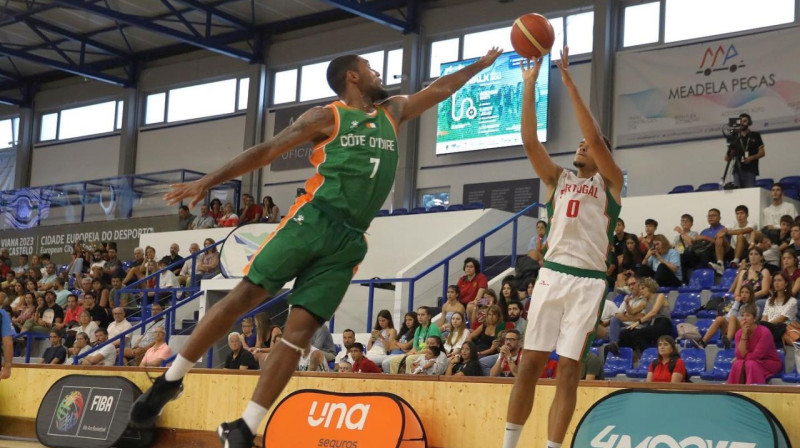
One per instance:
(667, 419)
(335, 420)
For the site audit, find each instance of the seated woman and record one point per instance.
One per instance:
(730, 322)
(457, 336)
(266, 331)
(757, 359)
(481, 307)
(631, 310)
(465, 363)
(663, 263)
(789, 266)
(488, 338)
(629, 262)
(27, 311)
(781, 308)
(228, 218)
(656, 321)
(754, 273)
(451, 306)
(383, 334)
(80, 347)
(668, 367)
(269, 211)
(208, 266)
(405, 342)
(508, 293)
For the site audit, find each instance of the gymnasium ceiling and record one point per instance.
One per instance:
(112, 40)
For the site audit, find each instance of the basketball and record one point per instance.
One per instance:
(532, 36)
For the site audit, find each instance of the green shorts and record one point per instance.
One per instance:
(319, 252)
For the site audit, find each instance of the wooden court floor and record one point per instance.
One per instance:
(19, 444)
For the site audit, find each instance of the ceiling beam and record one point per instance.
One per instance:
(147, 23)
(364, 9)
(50, 28)
(64, 67)
(222, 15)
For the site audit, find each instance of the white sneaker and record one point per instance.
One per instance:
(717, 267)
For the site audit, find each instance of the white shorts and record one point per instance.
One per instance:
(563, 314)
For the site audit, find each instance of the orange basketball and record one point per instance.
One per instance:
(532, 36)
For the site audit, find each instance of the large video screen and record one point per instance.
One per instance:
(485, 113)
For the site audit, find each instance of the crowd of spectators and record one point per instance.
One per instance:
(217, 214)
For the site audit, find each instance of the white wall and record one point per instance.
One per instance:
(77, 161)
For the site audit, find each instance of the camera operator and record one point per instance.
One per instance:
(747, 147)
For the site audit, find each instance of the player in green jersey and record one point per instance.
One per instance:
(321, 240)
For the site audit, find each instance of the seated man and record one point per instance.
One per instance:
(106, 356)
(739, 242)
(160, 350)
(186, 269)
(772, 256)
(344, 367)
(609, 310)
(772, 214)
(515, 316)
(348, 339)
(56, 353)
(362, 364)
(707, 245)
(631, 310)
(204, 221)
(119, 325)
(141, 343)
(684, 240)
(510, 355)
(239, 359)
(312, 360)
(646, 239)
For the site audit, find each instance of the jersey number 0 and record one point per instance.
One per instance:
(572, 208)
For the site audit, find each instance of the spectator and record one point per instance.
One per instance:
(167, 280)
(795, 235)
(382, 337)
(629, 263)
(140, 344)
(118, 326)
(465, 363)
(420, 341)
(160, 350)
(61, 292)
(709, 244)
(208, 267)
(451, 306)
(51, 317)
(185, 275)
(609, 310)
(772, 214)
(97, 268)
(781, 308)
(479, 311)
(537, 244)
(101, 293)
(56, 353)
(250, 212)
(591, 367)
(23, 266)
(86, 325)
(508, 293)
(729, 322)
(119, 298)
(248, 335)
(99, 314)
(756, 357)
(269, 211)
(646, 239)
(9, 283)
(510, 355)
(228, 218)
(431, 361)
(754, 273)
(487, 338)
(654, 323)
(7, 335)
(515, 316)
(184, 217)
(344, 366)
(772, 256)
(736, 243)
(26, 312)
(348, 339)
(472, 285)
(663, 263)
(457, 335)
(239, 358)
(312, 360)
(266, 331)
(668, 367)
(686, 235)
(782, 235)
(113, 265)
(80, 347)
(48, 281)
(790, 269)
(105, 355)
(361, 364)
(215, 210)
(204, 221)
(174, 257)
(323, 341)
(136, 270)
(405, 342)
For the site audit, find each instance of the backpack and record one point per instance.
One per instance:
(688, 331)
(672, 362)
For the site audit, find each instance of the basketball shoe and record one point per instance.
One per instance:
(235, 434)
(148, 406)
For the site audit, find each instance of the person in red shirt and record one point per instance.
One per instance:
(472, 285)
(362, 364)
(251, 212)
(668, 367)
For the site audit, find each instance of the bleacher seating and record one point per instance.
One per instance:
(616, 365)
(648, 356)
(681, 189)
(765, 183)
(791, 377)
(383, 213)
(699, 280)
(455, 207)
(400, 211)
(436, 208)
(721, 368)
(686, 304)
(790, 182)
(703, 325)
(728, 277)
(695, 360)
(711, 314)
(416, 210)
(711, 186)
(475, 206)
(791, 192)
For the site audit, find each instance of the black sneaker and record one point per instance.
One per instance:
(726, 343)
(613, 348)
(148, 406)
(699, 343)
(235, 434)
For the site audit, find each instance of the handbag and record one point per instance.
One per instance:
(688, 331)
(792, 334)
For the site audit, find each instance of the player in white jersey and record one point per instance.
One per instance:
(568, 296)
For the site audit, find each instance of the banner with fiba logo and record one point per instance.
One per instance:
(690, 92)
(336, 420)
(83, 411)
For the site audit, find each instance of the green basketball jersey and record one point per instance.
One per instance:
(355, 166)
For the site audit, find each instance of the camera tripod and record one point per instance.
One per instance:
(737, 166)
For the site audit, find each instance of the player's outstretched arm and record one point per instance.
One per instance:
(590, 130)
(315, 124)
(536, 152)
(408, 107)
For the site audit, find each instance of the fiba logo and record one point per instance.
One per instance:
(69, 411)
(347, 416)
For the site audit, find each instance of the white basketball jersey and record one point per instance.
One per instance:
(583, 215)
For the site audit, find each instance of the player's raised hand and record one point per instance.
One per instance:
(195, 191)
(488, 59)
(563, 65)
(530, 73)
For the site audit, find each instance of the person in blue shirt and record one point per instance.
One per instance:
(7, 334)
(664, 262)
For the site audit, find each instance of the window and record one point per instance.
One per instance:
(641, 24)
(580, 33)
(81, 121)
(9, 132)
(120, 111)
(49, 127)
(244, 91)
(314, 82)
(477, 44)
(375, 62)
(690, 19)
(155, 107)
(443, 51)
(394, 67)
(203, 100)
(558, 43)
(285, 90)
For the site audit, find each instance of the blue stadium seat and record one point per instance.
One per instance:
(790, 182)
(681, 189)
(647, 358)
(598, 342)
(791, 192)
(728, 277)
(703, 325)
(416, 210)
(618, 364)
(721, 368)
(436, 208)
(791, 377)
(765, 183)
(126, 265)
(619, 299)
(455, 207)
(400, 211)
(475, 205)
(695, 360)
(686, 304)
(711, 186)
(700, 279)
(595, 351)
(383, 213)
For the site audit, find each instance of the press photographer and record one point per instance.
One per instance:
(745, 147)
